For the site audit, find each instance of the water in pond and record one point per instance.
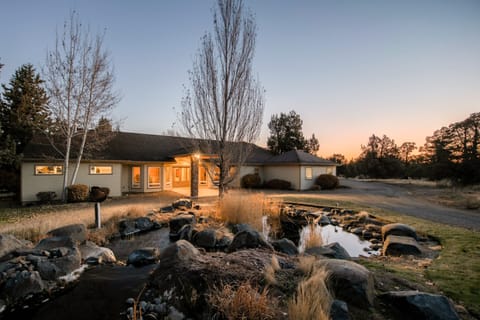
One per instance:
(353, 244)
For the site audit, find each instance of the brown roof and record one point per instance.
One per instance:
(299, 157)
(128, 146)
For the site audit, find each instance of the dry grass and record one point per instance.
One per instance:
(312, 299)
(306, 264)
(310, 236)
(270, 271)
(242, 302)
(35, 228)
(247, 207)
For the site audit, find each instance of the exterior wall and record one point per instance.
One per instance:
(287, 173)
(244, 170)
(306, 184)
(31, 184)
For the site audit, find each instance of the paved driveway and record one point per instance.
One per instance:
(400, 199)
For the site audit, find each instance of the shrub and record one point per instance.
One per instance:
(98, 194)
(278, 184)
(327, 181)
(46, 196)
(251, 180)
(77, 193)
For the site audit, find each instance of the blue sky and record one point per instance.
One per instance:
(350, 68)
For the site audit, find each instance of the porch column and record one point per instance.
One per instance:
(194, 177)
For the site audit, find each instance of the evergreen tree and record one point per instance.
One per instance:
(23, 112)
(286, 133)
(312, 145)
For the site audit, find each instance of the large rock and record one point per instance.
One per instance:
(285, 246)
(248, 239)
(144, 224)
(77, 232)
(127, 228)
(339, 310)
(398, 229)
(62, 262)
(23, 284)
(178, 222)
(186, 232)
(55, 242)
(340, 252)
(398, 246)
(90, 251)
(206, 239)
(350, 282)
(178, 252)
(420, 305)
(9, 243)
(182, 204)
(144, 256)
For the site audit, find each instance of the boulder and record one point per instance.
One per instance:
(59, 265)
(339, 310)
(340, 252)
(9, 243)
(320, 251)
(90, 251)
(236, 228)
(421, 305)
(398, 246)
(76, 232)
(127, 228)
(398, 229)
(178, 222)
(144, 256)
(23, 284)
(182, 204)
(206, 239)
(350, 282)
(285, 246)
(248, 239)
(144, 224)
(178, 252)
(55, 242)
(324, 220)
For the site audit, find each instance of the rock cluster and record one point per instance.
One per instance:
(27, 270)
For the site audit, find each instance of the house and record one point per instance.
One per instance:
(140, 163)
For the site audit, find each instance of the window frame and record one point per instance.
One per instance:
(139, 184)
(55, 173)
(90, 167)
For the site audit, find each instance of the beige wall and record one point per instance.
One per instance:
(244, 170)
(288, 173)
(31, 184)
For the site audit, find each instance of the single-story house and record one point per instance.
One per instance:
(140, 163)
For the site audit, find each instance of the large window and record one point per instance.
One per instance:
(101, 170)
(136, 177)
(308, 173)
(154, 177)
(48, 170)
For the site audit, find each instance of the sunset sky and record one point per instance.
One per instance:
(350, 68)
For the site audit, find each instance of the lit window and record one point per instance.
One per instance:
(308, 173)
(153, 177)
(136, 177)
(101, 169)
(48, 170)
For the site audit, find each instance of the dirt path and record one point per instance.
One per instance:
(402, 199)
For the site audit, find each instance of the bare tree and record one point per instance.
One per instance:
(224, 104)
(79, 80)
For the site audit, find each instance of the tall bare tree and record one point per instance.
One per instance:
(224, 104)
(79, 80)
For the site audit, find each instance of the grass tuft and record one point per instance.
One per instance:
(242, 302)
(312, 299)
(247, 207)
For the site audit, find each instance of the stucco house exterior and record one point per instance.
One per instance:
(140, 163)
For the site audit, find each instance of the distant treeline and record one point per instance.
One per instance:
(451, 153)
